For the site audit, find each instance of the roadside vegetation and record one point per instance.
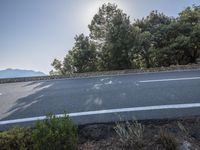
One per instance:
(116, 43)
(143, 135)
(62, 134)
(16, 139)
(130, 134)
(52, 133)
(55, 134)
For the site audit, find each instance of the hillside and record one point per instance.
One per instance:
(12, 73)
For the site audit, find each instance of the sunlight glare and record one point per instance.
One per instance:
(92, 8)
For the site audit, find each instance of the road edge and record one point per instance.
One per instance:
(103, 73)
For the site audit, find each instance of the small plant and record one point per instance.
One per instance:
(55, 133)
(130, 133)
(16, 139)
(182, 128)
(167, 140)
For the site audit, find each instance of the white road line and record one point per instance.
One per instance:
(109, 111)
(0, 94)
(174, 79)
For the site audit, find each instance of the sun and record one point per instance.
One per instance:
(91, 8)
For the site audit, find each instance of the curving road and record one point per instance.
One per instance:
(102, 99)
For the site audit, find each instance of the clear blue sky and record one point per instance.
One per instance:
(34, 32)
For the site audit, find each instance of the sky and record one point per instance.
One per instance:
(34, 32)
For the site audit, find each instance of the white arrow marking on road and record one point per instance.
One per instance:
(109, 111)
(174, 79)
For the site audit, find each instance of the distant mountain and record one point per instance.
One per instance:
(13, 73)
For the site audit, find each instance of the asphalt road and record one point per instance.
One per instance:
(102, 99)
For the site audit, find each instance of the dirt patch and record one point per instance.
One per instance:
(180, 134)
(101, 73)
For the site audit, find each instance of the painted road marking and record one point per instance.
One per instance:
(109, 111)
(174, 79)
(0, 94)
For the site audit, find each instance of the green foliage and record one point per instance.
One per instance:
(115, 43)
(83, 55)
(82, 58)
(16, 139)
(51, 134)
(143, 50)
(57, 66)
(153, 21)
(55, 134)
(110, 30)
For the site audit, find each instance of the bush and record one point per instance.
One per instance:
(16, 139)
(55, 133)
(130, 134)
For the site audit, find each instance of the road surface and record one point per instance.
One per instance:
(102, 99)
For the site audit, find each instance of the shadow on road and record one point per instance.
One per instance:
(66, 96)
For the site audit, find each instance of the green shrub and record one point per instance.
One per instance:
(16, 139)
(55, 133)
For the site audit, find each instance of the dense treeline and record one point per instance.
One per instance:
(116, 43)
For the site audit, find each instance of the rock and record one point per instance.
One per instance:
(185, 146)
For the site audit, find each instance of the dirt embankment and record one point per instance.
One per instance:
(177, 134)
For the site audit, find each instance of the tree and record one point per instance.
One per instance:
(152, 39)
(142, 49)
(153, 21)
(191, 17)
(58, 68)
(82, 58)
(68, 67)
(110, 31)
(82, 55)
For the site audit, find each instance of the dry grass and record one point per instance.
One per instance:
(167, 140)
(130, 134)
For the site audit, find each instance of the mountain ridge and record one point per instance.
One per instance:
(14, 73)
